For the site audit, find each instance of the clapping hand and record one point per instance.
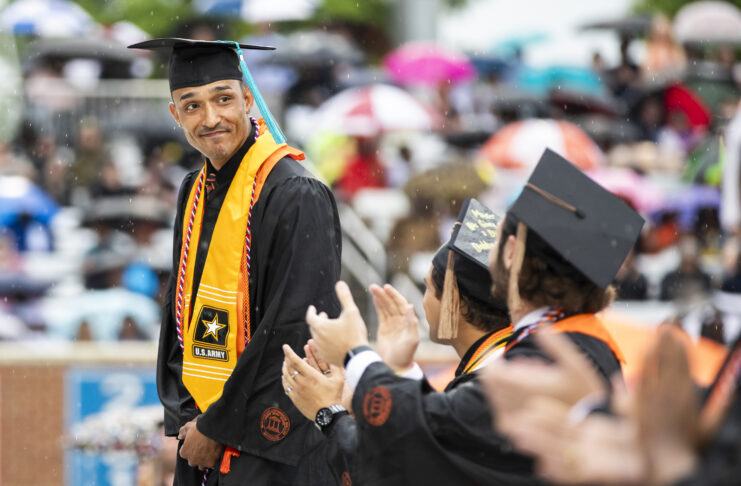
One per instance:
(335, 337)
(398, 328)
(311, 383)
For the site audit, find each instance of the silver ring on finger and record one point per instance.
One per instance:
(326, 372)
(294, 374)
(289, 390)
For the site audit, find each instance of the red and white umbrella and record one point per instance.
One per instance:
(519, 145)
(370, 110)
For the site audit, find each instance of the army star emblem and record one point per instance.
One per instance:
(213, 328)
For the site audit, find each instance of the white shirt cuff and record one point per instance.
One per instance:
(413, 373)
(357, 365)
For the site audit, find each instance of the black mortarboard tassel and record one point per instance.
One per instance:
(464, 262)
(195, 63)
(582, 225)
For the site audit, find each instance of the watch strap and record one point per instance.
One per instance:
(354, 352)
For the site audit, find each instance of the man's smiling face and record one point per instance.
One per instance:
(214, 117)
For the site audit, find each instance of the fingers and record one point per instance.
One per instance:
(379, 301)
(296, 364)
(322, 365)
(345, 297)
(396, 298)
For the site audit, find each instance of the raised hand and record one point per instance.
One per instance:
(335, 337)
(398, 328)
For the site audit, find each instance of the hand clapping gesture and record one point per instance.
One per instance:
(398, 328)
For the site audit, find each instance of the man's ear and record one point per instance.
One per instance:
(249, 100)
(174, 113)
(508, 253)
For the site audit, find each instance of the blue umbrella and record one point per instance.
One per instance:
(687, 202)
(562, 78)
(21, 197)
(46, 18)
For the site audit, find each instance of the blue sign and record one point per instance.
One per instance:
(90, 391)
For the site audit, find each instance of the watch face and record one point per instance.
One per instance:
(324, 417)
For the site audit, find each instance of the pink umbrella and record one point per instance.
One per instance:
(370, 110)
(642, 193)
(427, 63)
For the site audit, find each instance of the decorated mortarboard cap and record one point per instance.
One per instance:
(473, 237)
(195, 63)
(581, 225)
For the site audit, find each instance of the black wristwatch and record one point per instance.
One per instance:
(355, 351)
(326, 415)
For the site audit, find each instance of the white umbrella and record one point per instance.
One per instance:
(258, 10)
(708, 21)
(370, 110)
(46, 18)
(277, 10)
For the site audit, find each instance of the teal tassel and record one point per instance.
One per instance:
(273, 127)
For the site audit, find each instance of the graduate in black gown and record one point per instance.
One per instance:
(266, 242)
(448, 438)
(460, 312)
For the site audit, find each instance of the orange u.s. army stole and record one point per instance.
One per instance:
(214, 324)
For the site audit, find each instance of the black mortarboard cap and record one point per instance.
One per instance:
(471, 241)
(195, 62)
(581, 224)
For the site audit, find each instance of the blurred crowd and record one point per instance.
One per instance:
(85, 234)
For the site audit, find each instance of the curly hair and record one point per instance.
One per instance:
(479, 314)
(540, 284)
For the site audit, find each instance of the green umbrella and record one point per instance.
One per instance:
(705, 163)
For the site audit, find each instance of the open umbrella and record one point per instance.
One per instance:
(705, 163)
(519, 145)
(708, 22)
(688, 202)
(644, 195)
(370, 110)
(46, 18)
(258, 10)
(21, 197)
(631, 26)
(316, 48)
(427, 63)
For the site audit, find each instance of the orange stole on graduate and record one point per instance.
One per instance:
(216, 320)
(590, 325)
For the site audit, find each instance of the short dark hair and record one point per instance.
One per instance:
(540, 284)
(479, 314)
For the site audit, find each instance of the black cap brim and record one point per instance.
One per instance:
(171, 42)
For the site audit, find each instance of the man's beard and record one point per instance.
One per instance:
(500, 281)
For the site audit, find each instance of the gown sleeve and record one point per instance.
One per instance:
(410, 434)
(179, 405)
(295, 263)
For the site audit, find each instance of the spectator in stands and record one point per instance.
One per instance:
(364, 169)
(630, 282)
(688, 281)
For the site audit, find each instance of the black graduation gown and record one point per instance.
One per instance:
(595, 349)
(408, 434)
(295, 263)
(342, 439)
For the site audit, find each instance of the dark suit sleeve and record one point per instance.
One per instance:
(410, 434)
(295, 263)
(179, 405)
